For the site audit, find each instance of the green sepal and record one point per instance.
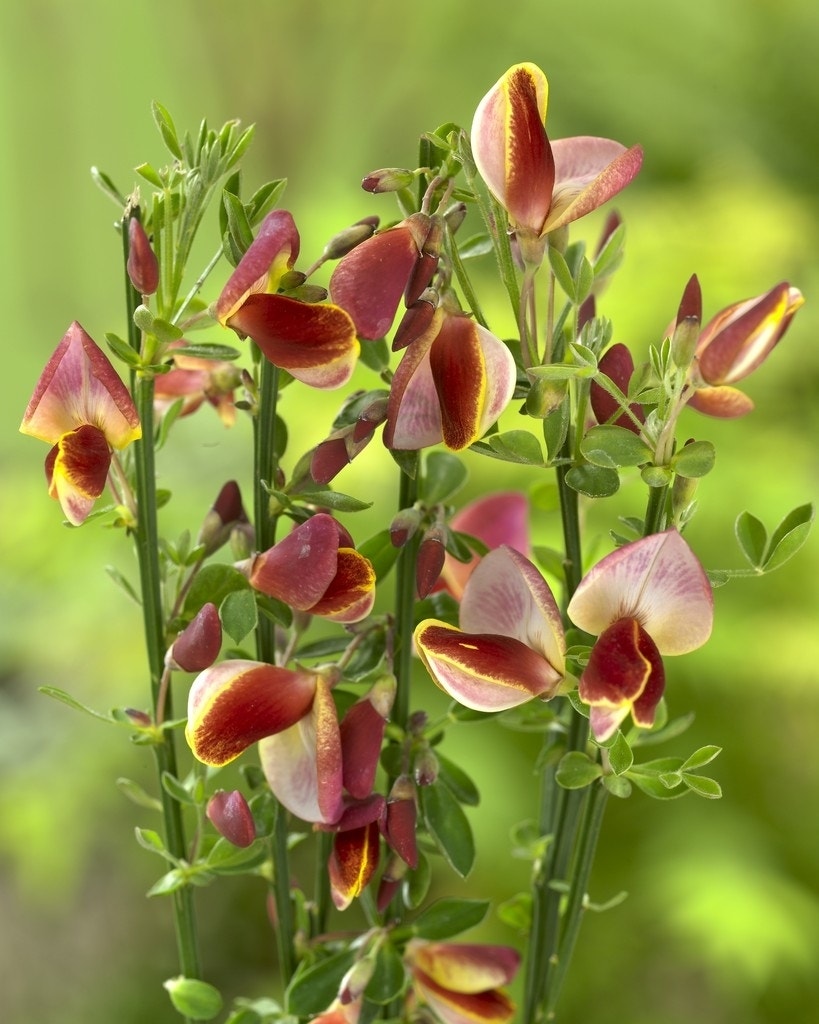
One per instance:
(448, 917)
(449, 827)
(194, 999)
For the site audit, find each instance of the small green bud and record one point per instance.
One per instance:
(388, 179)
(545, 396)
(194, 999)
(345, 241)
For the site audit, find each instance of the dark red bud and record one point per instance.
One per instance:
(198, 645)
(691, 302)
(139, 718)
(586, 313)
(142, 265)
(400, 821)
(230, 815)
(329, 458)
(403, 526)
(227, 511)
(416, 320)
(430, 562)
(426, 768)
(618, 365)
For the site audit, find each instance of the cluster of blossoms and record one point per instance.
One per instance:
(453, 381)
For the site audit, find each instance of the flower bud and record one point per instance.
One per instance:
(426, 767)
(346, 240)
(194, 999)
(197, 646)
(455, 216)
(427, 262)
(430, 561)
(545, 396)
(226, 513)
(390, 882)
(687, 326)
(403, 526)
(230, 815)
(388, 179)
(416, 320)
(356, 980)
(142, 265)
(400, 820)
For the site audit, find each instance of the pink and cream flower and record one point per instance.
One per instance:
(462, 982)
(644, 600)
(510, 646)
(543, 185)
(80, 407)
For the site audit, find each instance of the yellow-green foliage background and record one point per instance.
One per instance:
(722, 920)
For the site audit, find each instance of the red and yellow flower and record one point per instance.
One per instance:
(462, 982)
(80, 407)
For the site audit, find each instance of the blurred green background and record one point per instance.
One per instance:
(722, 920)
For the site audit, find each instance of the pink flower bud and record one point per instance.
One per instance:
(197, 646)
(230, 815)
(403, 526)
(142, 266)
(431, 555)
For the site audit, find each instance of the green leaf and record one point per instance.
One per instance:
(72, 702)
(150, 174)
(656, 476)
(167, 129)
(517, 912)
(417, 883)
(752, 538)
(264, 199)
(375, 355)
(389, 977)
(238, 225)
(213, 583)
(789, 536)
(136, 794)
(171, 881)
(151, 840)
(577, 770)
(208, 350)
(103, 182)
(448, 917)
(617, 785)
(448, 826)
(563, 275)
(593, 481)
(695, 459)
(194, 999)
(335, 500)
(458, 782)
(122, 350)
(177, 789)
(314, 985)
(703, 786)
(443, 475)
(517, 446)
(239, 614)
(700, 758)
(611, 446)
(620, 756)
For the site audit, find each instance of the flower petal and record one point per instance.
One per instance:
(370, 280)
(624, 673)
(483, 671)
(507, 595)
(300, 567)
(496, 519)
(352, 863)
(235, 703)
(588, 172)
(77, 468)
(510, 146)
(464, 967)
(489, 1007)
(725, 402)
(302, 764)
(413, 409)
(362, 730)
(618, 365)
(656, 580)
(78, 386)
(272, 252)
(351, 594)
(315, 342)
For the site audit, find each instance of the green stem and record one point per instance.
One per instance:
(404, 605)
(146, 535)
(265, 469)
(656, 510)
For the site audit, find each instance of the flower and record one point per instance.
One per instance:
(642, 601)
(542, 185)
(453, 383)
(462, 982)
(195, 381)
(314, 342)
(316, 569)
(495, 519)
(370, 280)
(82, 408)
(510, 647)
(734, 343)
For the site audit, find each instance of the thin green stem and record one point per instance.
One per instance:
(404, 603)
(656, 510)
(146, 535)
(265, 469)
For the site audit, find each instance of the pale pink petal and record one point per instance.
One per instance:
(507, 595)
(496, 519)
(724, 402)
(588, 172)
(656, 580)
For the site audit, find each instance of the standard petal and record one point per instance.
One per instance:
(362, 730)
(510, 146)
(273, 251)
(483, 671)
(235, 703)
(507, 595)
(588, 172)
(78, 386)
(303, 763)
(370, 280)
(496, 519)
(315, 342)
(464, 967)
(656, 580)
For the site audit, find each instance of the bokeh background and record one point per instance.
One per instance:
(722, 920)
